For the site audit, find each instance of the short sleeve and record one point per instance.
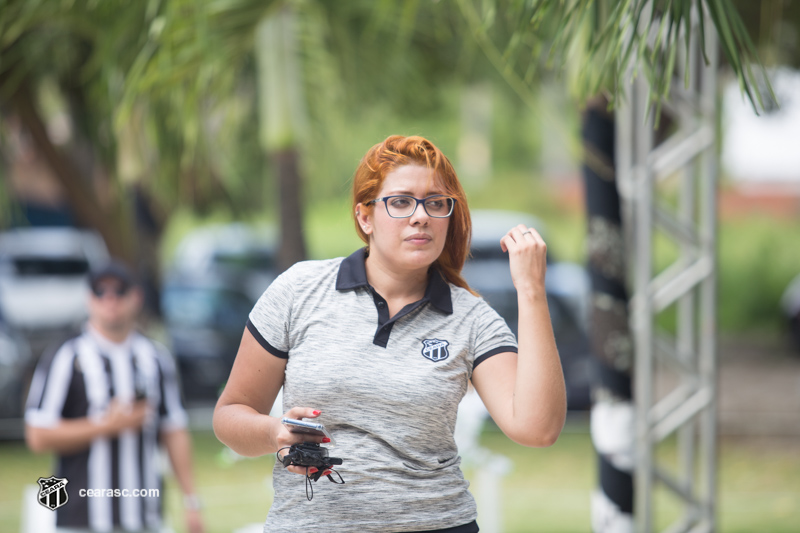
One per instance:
(492, 335)
(50, 387)
(270, 320)
(171, 413)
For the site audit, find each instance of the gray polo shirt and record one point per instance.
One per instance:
(388, 388)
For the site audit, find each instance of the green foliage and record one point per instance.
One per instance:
(774, 25)
(85, 45)
(757, 260)
(174, 82)
(354, 57)
(596, 42)
(754, 266)
(164, 92)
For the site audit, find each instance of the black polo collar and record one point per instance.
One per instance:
(353, 274)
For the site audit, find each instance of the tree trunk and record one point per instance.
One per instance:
(292, 247)
(282, 113)
(83, 200)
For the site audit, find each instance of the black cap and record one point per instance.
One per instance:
(113, 269)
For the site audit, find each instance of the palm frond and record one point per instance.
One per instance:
(596, 42)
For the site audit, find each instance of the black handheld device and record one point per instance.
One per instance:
(311, 454)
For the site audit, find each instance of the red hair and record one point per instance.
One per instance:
(397, 151)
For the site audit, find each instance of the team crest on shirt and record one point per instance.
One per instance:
(435, 350)
(53, 492)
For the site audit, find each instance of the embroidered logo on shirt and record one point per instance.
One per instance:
(435, 350)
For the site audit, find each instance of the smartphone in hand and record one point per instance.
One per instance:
(308, 428)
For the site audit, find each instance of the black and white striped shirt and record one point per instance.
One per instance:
(79, 380)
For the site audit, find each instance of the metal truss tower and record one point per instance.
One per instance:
(669, 209)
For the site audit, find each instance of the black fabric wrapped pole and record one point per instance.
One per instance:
(612, 416)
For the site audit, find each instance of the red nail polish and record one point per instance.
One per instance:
(326, 473)
(325, 439)
(317, 412)
(313, 470)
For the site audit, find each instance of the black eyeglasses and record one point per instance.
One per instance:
(119, 291)
(402, 206)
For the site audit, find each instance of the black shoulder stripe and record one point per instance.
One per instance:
(500, 349)
(263, 342)
(42, 371)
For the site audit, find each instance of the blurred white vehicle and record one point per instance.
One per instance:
(43, 287)
(43, 272)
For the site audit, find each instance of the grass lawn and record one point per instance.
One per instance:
(546, 490)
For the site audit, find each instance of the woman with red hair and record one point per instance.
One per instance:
(380, 347)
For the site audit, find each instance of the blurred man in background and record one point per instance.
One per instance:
(102, 403)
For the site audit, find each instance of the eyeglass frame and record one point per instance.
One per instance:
(419, 201)
(120, 291)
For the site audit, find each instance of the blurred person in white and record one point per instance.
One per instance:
(103, 402)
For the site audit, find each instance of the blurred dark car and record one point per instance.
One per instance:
(205, 318)
(567, 286)
(218, 274)
(234, 253)
(15, 365)
(790, 305)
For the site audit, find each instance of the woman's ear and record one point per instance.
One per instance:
(364, 219)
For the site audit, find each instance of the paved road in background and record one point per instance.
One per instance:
(759, 388)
